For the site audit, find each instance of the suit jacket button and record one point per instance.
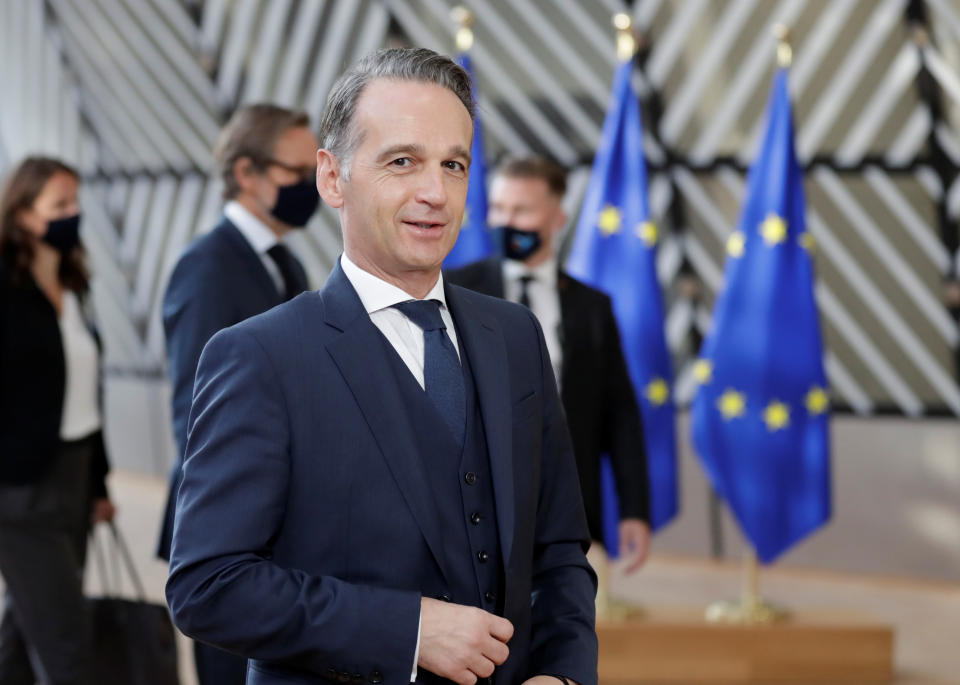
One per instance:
(482, 557)
(470, 478)
(490, 597)
(376, 677)
(475, 518)
(445, 597)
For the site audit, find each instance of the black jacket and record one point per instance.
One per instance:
(596, 392)
(32, 385)
(218, 282)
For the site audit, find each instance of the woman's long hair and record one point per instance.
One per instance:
(17, 243)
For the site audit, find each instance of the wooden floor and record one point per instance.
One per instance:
(926, 616)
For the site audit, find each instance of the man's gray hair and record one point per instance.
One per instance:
(338, 130)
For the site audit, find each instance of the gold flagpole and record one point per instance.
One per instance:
(751, 608)
(463, 20)
(607, 608)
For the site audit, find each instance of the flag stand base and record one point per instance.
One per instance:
(751, 608)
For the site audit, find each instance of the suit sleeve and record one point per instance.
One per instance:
(224, 588)
(194, 308)
(563, 638)
(624, 426)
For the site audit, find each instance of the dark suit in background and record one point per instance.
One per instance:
(219, 281)
(595, 389)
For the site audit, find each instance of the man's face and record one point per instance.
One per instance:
(403, 202)
(292, 161)
(526, 204)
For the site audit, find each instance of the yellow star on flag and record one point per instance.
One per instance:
(736, 243)
(703, 371)
(776, 416)
(817, 401)
(609, 220)
(773, 230)
(657, 391)
(732, 404)
(648, 233)
(807, 242)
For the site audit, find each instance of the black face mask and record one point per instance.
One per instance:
(296, 203)
(63, 234)
(519, 245)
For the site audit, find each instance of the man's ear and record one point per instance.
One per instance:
(244, 174)
(559, 220)
(329, 178)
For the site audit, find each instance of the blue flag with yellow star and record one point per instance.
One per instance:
(615, 250)
(760, 419)
(473, 243)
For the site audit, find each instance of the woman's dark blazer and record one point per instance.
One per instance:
(32, 385)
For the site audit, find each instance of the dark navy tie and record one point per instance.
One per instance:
(290, 270)
(442, 374)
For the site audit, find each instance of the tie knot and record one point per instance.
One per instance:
(424, 313)
(279, 251)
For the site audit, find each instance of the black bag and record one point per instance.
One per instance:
(133, 640)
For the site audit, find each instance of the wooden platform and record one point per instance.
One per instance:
(678, 646)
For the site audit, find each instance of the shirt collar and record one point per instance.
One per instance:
(545, 272)
(376, 294)
(257, 233)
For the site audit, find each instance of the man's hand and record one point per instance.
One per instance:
(461, 643)
(634, 544)
(102, 510)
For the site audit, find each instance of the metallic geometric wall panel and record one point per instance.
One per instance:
(134, 93)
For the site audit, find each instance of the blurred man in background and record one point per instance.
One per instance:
(266, 157)
(526, 196)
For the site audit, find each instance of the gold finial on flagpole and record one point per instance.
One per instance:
(626, 41)
(784, 48)
(463, 19)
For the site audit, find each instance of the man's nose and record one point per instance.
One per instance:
(432, 188)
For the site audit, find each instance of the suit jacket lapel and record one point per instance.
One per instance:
(252, 260)
(379, 402)
(482, 339)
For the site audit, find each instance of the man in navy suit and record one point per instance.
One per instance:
(526, 203)
(239, 269)
(379, 484)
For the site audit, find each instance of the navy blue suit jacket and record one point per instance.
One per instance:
(305, 530)
(219, 281)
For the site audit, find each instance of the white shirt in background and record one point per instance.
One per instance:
(81, 397)
(544, 301)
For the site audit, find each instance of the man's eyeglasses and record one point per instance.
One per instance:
(305, 172)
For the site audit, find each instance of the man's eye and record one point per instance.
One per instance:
(402, 162)
(455, 166)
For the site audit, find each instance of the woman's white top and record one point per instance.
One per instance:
(81, 397)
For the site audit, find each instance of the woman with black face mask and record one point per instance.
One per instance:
(52, 459)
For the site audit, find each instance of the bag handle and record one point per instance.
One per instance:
(120, 553)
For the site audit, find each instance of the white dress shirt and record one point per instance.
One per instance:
(81, 395)
(406, 337)
(544, 301)
(260, 237)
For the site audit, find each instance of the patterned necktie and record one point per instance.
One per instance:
(524, 293)
(293, 281)
(442, 374)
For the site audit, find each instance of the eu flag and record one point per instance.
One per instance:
(473, 244)
(760, 415)
(615, 250)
